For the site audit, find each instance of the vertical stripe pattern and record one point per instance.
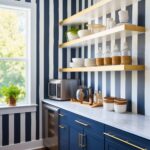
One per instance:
(119, 84)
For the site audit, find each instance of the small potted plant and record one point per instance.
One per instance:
(72, 33)
(11, 94)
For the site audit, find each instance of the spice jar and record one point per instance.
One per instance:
(99, 58)
(116, 56)
(107, 58)
(125, 55)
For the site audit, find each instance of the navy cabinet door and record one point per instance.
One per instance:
(93, 141)
(63, 137)
(75, 138)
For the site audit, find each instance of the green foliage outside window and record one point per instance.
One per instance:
(12, 45)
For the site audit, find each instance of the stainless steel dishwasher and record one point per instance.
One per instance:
(50, 126)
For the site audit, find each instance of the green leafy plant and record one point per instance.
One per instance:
(73, 30)
(11, 92)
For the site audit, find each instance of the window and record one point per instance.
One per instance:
(15, 49)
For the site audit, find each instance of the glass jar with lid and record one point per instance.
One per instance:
(126, 55)
(116, 56)
(99, 57)
(107, 57)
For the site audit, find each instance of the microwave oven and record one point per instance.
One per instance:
(62, 89)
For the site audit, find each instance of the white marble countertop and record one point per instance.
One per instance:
(132, 123)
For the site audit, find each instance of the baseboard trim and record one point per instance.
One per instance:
(36, 144)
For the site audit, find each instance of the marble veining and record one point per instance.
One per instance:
(132, 123)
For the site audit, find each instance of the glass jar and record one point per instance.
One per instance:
(99, 58)
(110, 23)
(116, 56)
(126, 57)
(107, 58)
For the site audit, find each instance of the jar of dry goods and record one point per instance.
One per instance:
(108, 103)
(120, 105)
(107, 58)
(116, 56)
(126, 55)
(99, 58)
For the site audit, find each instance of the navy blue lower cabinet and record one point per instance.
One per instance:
(63, 137)
(116, 139)
(75, 138)
(93, 141)
(80, 133)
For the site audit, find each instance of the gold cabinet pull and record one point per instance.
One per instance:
(81, 123)
(123, 141)
(62, 127)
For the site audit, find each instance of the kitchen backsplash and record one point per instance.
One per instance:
(130, 85)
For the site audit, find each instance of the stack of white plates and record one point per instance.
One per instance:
(89, 62)
(85, 32)
(77, 62)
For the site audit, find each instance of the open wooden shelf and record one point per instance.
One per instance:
(128, 28)
(105, 68)
(95, 11)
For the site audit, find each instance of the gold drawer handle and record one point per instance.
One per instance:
(126, 142)
(81, 123)
(62, 127)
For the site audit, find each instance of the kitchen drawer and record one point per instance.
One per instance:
(124, 138)
(63, 116)
(91, 126)
(66, 116)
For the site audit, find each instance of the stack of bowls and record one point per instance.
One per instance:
(77, 62)
(85, 32)
(90, 62)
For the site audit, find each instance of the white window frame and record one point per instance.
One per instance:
(31, 56)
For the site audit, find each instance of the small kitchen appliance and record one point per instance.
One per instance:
(62, 89)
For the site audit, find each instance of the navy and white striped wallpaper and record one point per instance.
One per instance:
(130, 85)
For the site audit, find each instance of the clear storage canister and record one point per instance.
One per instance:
(107, 58)
(99, 58)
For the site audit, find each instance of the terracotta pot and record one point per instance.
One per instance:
(12, 102)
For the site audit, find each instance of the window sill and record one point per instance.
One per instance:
(5, 109)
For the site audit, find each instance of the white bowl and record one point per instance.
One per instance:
(96, 27)
(72, 36)
(82, 33)
(90, 62)
(79, 61)
(120, 108)
(75, 65)
(108, 106)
